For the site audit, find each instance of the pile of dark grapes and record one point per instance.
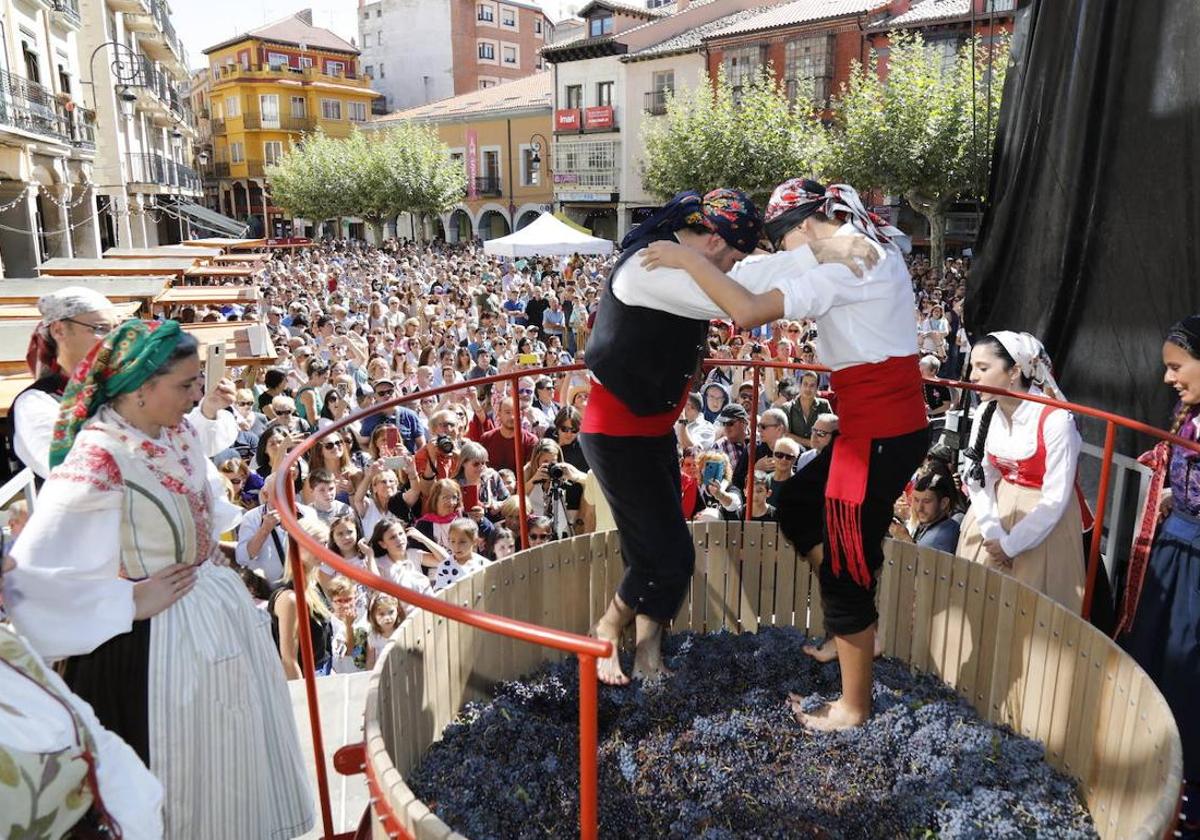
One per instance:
(713, 752)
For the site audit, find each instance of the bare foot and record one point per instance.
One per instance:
(827, 652)
(831, 717)
(608, 669)
(650, 667)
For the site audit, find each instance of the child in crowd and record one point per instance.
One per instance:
(349, 627)
(463, 559)
(384, 615)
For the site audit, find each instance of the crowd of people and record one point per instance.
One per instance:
(427, 493)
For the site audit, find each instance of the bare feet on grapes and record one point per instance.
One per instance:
(608, 669)
(648, 665)
(827, 652)
(831, 717)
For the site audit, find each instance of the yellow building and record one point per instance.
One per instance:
(499, 134)
(268, 88)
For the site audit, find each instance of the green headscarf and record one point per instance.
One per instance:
(122, 361)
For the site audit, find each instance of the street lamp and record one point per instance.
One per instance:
(536, 157)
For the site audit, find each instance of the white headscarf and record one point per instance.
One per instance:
(67, 302)
(1032, 360)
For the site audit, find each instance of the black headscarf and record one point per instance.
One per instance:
(729, 214)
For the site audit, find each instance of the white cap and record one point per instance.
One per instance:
(70, 302)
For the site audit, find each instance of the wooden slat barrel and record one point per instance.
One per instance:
(1018, 657)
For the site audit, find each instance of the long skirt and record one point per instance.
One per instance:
(199, 692)
(1055, 567)
(640, 479)
(1165, 637)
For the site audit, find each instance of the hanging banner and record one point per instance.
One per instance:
(472, 161)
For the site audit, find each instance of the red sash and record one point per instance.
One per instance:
(605, 414)
(880, 400)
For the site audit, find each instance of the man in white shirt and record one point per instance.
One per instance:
(262, 541)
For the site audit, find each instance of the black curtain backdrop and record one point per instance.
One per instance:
(1092, 232)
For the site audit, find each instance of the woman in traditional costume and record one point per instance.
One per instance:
(1026, 517)
(119, 572)
(1160, 615)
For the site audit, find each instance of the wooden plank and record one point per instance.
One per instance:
(788, 567)
(506, 606)
(1050, 620)
(1133, 769)
(906, 595)
(438, 650)
(489, 664)
(973, 630)
(552, 585)
(1064, 629)
(1012, 708)
(730, 601)
(1085, 703)
(750, 596)
(24, 311)
(816, 610)
(1118, 673)
(1006, 619)
(524, 654)
(537, 560)
(206, 295)
(717, 563)
(958, 632)
(86, 267)
(698, 590)
(886, 595)
(940, 617)
(117, 289)
(925, 589)
(769, 574)
(597, 586)
(162, 252)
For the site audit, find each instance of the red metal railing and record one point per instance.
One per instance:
(585, 648)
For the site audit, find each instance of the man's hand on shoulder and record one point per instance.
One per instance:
(857, 252)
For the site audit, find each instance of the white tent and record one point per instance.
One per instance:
(546, 236)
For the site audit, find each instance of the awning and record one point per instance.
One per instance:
(204, 219)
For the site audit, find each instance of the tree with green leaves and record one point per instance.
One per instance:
(715, 136)
(375, 176)
(925, 132)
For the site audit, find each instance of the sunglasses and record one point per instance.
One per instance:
(769, 425)
(235, 479)
(245, 403)
(284, 412)
(820, 434)
(332, 444)
(785, 456)
(384, 393)
(572, 429)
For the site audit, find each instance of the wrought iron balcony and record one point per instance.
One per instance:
(221, 169)
(153, 168)
(69, 10)
(488, 185)
(656, 101)
(83, 129)
(28, 106)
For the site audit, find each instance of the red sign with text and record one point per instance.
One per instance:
(567, 119)
(599, 117)
(472, 161)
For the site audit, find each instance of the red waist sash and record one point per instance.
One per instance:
(605, 414)
(880, 400)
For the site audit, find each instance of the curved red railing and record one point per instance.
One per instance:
(587, 649)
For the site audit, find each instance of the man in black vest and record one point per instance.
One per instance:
(643, 359)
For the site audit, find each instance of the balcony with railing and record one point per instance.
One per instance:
(67, 11)
(221, 169)
(28, 106)
(264, 72)
(252, 121)
(592, 166)
(153, 168)
(488, 185)
(656, 101)
(83, 129)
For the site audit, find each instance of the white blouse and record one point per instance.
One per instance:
(1017, 440)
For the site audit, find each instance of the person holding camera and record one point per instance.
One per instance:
(440, 457)
(547, 476)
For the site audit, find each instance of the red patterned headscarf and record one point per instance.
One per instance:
(795, 200)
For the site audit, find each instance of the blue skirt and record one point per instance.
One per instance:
(1165, 637)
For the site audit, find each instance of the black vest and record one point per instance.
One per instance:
(53, 384)
(643, 356)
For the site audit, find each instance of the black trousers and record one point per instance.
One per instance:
(640, 480)
(114, 680)
(850, 608)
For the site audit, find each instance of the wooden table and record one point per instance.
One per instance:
(239, 345)
(206, 295)
(222, 271)
(63, 266)
(117, 289)
(242, 258)
(182, 252)
(226, 243)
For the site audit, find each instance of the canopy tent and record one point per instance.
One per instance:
(546, 236)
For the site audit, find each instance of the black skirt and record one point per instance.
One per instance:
(114, 680)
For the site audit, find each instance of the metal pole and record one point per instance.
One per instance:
(519, 455)
(753, 445)
(589, 815)
(1098, 526)
(308, 660)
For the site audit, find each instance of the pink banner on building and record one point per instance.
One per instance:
(472, 162)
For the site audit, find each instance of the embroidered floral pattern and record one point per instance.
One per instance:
(90, 464)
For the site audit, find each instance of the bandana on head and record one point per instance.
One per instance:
(795, 200)
(121, 363)
(1032, 360)
(68, 302)
(1186, 335)
(729, 214)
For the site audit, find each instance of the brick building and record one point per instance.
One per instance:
(420, 51)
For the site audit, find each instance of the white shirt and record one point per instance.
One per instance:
(1017, 440)
(451, 572)
(269, 559)
(859, 319)
(36, 412)
(701, 432)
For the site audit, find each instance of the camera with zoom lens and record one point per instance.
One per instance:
(445, 444)
(556, 472)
